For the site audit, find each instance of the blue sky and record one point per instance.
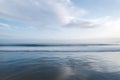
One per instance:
(59, 19)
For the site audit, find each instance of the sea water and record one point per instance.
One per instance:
(60, 62)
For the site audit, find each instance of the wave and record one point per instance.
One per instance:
(60, 48)
(38, 45)
(60, 51)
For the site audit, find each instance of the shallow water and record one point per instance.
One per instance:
(59, 65)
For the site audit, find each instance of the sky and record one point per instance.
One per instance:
(47, 20)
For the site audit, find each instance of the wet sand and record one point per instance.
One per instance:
(59, 66)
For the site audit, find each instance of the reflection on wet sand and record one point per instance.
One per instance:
(59, 66)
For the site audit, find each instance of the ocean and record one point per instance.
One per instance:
(60, 62)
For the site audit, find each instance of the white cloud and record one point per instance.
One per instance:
(4, 26)
(41, 12)
(82, 24)
(87, 23)
(58, 13)
(48, 13)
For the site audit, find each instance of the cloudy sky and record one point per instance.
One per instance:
(59, 19)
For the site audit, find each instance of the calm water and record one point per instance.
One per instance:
(93, 62)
